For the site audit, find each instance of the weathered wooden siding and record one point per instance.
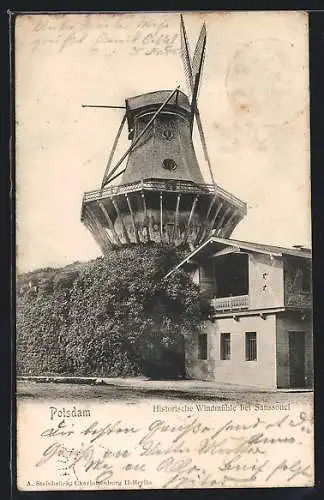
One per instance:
(206, 278)
(293, 321)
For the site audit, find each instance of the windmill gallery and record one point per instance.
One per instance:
(260, 332)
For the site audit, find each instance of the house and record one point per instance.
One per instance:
(260, 332)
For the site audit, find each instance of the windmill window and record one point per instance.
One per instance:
(168, 134)
(169, 164)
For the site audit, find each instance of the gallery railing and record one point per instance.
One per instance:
(163, 185)
(230, 303)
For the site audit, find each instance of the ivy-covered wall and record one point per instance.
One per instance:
(113, 316)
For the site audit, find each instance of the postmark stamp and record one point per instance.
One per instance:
(261, 83)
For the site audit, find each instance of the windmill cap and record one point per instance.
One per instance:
(152, 101)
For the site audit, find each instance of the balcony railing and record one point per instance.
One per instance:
(230, 303)
(302, 300)
(164, 185)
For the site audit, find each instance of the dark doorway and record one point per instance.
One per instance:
(166, 361)
(297, 359)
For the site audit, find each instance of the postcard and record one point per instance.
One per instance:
(164, 334)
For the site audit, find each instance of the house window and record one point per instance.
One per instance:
(250, 346)
(225, 346)
(202, 346)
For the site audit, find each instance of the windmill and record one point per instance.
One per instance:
(162, 196)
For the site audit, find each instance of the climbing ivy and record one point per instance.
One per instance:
(113, 316)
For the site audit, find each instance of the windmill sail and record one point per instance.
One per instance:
(193, 73)
(198, 60)
(199, 50)
(113, 149)
(203, 143)
(186, 56)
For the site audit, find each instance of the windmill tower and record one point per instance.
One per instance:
(162, 196)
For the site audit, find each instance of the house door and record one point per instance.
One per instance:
(297, 359)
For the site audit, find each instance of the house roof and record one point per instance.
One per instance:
(213, 244)
(297, 251)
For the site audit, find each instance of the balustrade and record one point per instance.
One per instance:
(231, 303)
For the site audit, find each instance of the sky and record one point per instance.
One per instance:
(253, 102)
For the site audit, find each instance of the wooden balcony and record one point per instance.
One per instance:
(175, 186)
(298, 300)
(237, 303)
